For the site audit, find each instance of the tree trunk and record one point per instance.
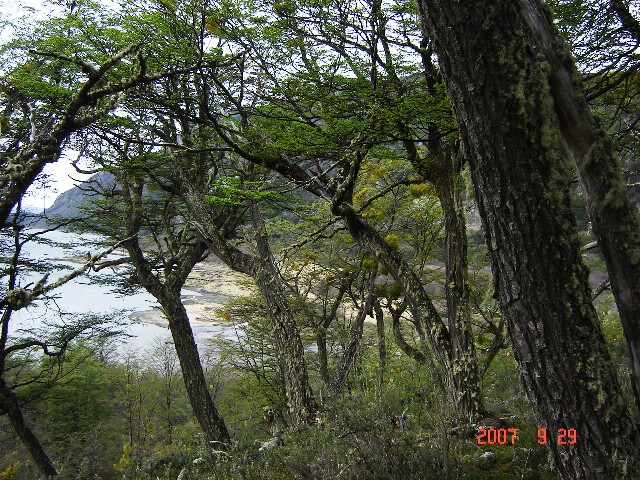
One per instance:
(443, 170)
(323, 357)
(382, 343)
(355, 335)
(263, 271)
(10, 405)
(168, 296)
(167, 291)
(500, 93)
(614, 218)
(466, 377)
(289, 346)
(207, 414)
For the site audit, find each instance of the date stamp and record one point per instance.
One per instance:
(509, 436)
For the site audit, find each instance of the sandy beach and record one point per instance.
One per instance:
(210, 285)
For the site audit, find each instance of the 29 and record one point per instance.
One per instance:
(566, 436)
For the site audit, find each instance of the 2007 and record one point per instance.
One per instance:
(491, 436)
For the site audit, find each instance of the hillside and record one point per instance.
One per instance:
(68, 203)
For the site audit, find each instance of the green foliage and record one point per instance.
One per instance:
(76, 404)
(231, 191)
(11, 471)
(291, 80)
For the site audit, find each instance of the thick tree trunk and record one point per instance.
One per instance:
(500, 93)
(207, 414)
(289, 346)
(614, 218)
(10, 405)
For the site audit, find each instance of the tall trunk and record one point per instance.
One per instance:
(466, 377)
(444, 174)
(207, 414)
(614, 218)
(382, 343)
(262, 269)
(285, 330)
(500, 92)
(167, 291)
(10, 405)
(355, 335)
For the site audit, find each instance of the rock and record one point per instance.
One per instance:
(67, 204)
(488, 457)
(269, 444)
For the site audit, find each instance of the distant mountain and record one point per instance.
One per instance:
(68, 203)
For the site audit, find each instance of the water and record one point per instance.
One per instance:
(88, 294)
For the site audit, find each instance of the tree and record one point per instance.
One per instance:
(134, 204)
(181, 158)
(50, 95)
(610, 86)
(17, 349)
(317, 124)
(512, 116)
(261, 267)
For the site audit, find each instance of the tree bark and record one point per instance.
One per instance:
(614, 218)
(10, 405)
(263, 271)
(289, 346)
(520, 168)
(445, 178)
(195, 382)
(355, 335)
